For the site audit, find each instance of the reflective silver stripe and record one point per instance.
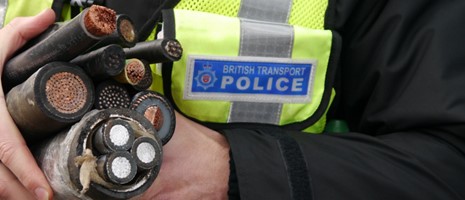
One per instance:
(262, 39)
(3, 6)
(266, 10)
(266, 39)
(255, 112)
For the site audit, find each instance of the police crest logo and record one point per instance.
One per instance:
(206, 78)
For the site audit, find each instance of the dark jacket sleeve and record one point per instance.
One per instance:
(402, 74)
(271, 163)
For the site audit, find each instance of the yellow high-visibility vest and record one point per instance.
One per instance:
(252, 61)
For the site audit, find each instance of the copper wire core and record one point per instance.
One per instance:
(146, 82)
(114, 61)
(127, 30)
(135, 71)
(173, 48)
(113, 97)
(100, 21)
(155, 116)
(66, 92)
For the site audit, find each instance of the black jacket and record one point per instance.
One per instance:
(399, 86)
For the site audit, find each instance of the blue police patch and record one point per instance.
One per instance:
(256, 79)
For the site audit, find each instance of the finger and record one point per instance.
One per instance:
(14, 153)
(16, 156)
(10, 187)
(16, 33)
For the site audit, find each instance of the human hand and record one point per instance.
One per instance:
(195, 164)
(20, 176)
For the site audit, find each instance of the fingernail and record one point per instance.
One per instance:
(41, 194)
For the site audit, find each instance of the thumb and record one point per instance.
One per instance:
(14, 153)
(16, 33)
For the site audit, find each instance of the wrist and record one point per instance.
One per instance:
(211, 150)
(195, 164)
